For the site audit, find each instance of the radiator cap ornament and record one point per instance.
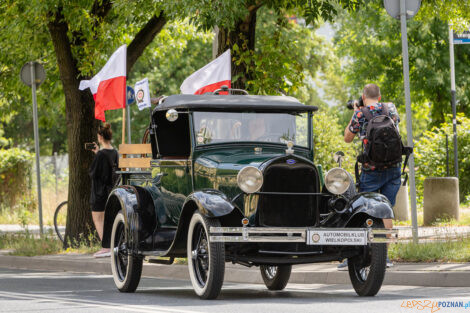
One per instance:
(290, 145)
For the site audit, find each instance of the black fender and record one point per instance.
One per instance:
(139, 215)
(212, 204)
(368, 204)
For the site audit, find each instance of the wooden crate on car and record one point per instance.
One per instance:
(134, 156)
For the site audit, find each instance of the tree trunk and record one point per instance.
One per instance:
(81, 128)
(243, 35)
(81, 123)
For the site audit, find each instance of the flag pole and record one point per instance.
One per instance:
(124, 124)
(124, 115)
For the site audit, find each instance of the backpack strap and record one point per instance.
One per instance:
(407, 151)
(367, 114)
(356, 172)
(385, 110)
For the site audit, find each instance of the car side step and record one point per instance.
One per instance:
(168, 261)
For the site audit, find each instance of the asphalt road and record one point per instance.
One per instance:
(34, 291)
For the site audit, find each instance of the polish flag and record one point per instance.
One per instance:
(209, 78)
(109, 85)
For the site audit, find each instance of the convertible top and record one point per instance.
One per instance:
(234, 103)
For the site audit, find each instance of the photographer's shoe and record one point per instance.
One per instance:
(343, 265)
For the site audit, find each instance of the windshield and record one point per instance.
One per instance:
(215, 127)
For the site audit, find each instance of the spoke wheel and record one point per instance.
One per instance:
(367, 271)
(276, 277)
(126, 268)
(60, 218)
(206, 260)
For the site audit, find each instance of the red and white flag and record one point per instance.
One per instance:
(209, 78)
(109, 85)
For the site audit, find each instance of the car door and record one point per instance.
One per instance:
(175, 184)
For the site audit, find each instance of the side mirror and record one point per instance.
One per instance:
(338, 157)
(171, 115)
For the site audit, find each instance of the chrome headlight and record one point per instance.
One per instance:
(250, 179)
(337, 181)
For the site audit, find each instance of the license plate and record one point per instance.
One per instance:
(337, 237)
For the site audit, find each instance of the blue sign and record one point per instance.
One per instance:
(461, 41)
(462, 38)
(130, 95)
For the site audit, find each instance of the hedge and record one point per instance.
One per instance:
(15, 173)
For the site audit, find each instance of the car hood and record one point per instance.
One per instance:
(236, 159)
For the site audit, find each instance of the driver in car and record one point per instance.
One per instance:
(256, 128)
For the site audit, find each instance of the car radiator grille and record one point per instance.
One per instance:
(289, 210)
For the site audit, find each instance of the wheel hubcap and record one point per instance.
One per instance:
(364, 273)
(270, 271)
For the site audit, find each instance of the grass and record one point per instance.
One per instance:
(450, 251)
(27, 244)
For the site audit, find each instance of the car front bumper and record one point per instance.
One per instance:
(307, 235)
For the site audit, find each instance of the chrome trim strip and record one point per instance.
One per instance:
(290, 234)
(256, 239)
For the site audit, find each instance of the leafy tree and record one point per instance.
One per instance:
(455, 11)
(370, 42)
(328, 139)
(75, 39)
(236, 23)
(431, 155)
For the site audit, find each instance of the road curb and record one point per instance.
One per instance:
(234, 273)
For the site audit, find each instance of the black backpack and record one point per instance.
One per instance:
(382, 146)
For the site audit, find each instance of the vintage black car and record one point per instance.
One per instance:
(231, 179)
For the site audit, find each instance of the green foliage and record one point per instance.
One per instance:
(328, 139)
(287, 56)
(15, 169)
(430, 155)
(227, 13)
(455, 11)
(370, 42)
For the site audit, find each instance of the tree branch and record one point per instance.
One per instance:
(143, 38)
(101, 8)
(58, 29)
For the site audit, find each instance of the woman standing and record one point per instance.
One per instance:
(101, 173)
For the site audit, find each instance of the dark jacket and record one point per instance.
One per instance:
(101, 174)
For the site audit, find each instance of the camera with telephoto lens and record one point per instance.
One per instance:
(359, 103)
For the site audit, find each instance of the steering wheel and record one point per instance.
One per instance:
(236, 131)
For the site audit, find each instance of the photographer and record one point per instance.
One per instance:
(101, 173)
(385, 179)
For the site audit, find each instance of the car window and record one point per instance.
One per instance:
(215, 127)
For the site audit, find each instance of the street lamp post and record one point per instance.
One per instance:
(453, 92)
(404, 9)
(33, 74)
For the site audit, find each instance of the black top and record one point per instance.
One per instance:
(234, 103)
(101, 174)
